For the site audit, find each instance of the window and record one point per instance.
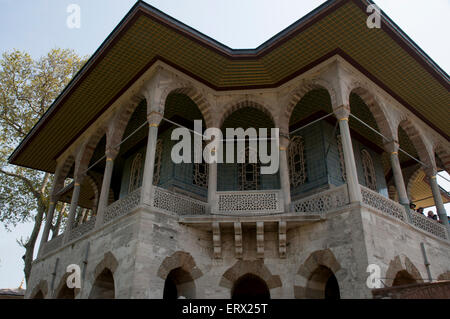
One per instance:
(158, 158)
(297, 165)
(136, 173)
(248, 173)
(341, 158)
(369, 170)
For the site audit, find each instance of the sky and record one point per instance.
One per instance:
(37, 26)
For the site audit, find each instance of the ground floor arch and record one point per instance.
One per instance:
(250, 286)
(179, 284)
(103, 287)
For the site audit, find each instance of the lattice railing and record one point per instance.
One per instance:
(178, 203)
(122, 206)
(322, 202)
(53, 244)
(252, 202)
(82, 229)
(429, 225)
(383, 204)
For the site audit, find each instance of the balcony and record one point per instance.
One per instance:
(248, 205)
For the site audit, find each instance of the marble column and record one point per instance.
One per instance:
(440, 208)
(212, 185)
(354, 190)
(284, 172)
(106, 184)
(154, 119)
(73, 208)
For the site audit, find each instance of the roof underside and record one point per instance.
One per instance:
(147, 35)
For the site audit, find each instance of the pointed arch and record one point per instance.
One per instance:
(244, 267)
(375, 107)
(444, 155)
(40, 291)
(194, 94)
(245, 102)
(398, 270)
(64, 292)
(297, 94)
(415, 136)
(316, 273)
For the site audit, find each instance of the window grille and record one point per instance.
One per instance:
(369, 170)
(297, 163)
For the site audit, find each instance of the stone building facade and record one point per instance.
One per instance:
(141, 226)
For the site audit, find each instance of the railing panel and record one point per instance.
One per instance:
(383, 204)
(53, 244)
(82, 229)
(122, 206)
(322, 202)
(429, 225)
(178, 203)
(254, 202)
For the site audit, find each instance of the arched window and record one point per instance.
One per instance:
(369, 170)
(158, 158)
(136, 173)
(297, 164)
(341, 157)
(249, 178)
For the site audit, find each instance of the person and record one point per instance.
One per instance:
(435, 217)
(420, 210)
(412, 206)
(430, 214)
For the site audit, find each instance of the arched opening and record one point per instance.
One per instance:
(322, 284)
(244, 171)
(307, 156)
(250, 286)
(103, 287)
(179, 284)
(403, 278)
(66, 293)
(39, 295)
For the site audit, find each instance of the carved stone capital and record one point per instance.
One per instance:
(342, 112)
(154, 118)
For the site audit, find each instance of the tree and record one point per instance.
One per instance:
(27, 88)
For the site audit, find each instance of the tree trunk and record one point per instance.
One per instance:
(31, 243)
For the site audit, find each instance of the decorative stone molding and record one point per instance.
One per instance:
(255, 267)
(383, 204)
(179, 259)
(238, 240)
(282, 238)
(217, 241)
(122, 206)
(444, 276)
(250, 202)
(260, 240)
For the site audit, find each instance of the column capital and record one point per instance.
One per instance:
(111, 153)
(154, 118)
(391, 147)
(342, 112)
(284, 142)
(430, 171)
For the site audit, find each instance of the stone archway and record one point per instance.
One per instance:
(104, 283)
(179, 273)
(251, 272)
(317, 277)
(250, 286)
(399, 272)
(40, 290)
(64, 292)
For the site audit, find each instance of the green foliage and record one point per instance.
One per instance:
(27, 89)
